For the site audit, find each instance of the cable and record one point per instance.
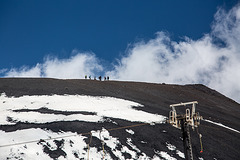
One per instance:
(89, 145)
(131, 126)
(86, 133)
(102, 144)
(7, 145)
(200, 139)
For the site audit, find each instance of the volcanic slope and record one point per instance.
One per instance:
(53, 118)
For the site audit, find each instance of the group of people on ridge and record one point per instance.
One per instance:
(100, 78)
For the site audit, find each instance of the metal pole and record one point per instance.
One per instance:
(186, 140)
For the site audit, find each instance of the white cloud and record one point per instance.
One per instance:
(2, 71)
(74, 67)
(77, 66)
(25, 72)
(213, 60)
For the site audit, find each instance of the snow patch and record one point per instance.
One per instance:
(130, 131)
(171, 147)
(116, 147)
(174, 148)
(34, 149)
(102, 106)
(165, 155)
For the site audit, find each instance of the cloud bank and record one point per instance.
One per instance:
(213, 60)
(77, 66)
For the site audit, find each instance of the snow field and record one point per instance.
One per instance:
(102, 106)
(74, 146)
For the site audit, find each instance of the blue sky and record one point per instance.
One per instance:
(30, 30)
(162, 41)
